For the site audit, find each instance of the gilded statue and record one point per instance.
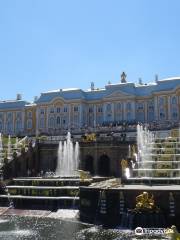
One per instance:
(84, 175)
(145, 202)
(173, 233)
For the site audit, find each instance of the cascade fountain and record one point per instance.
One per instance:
(68, 158)
(157, 158)
(9, 148)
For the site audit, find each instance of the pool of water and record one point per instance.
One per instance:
(32, 228)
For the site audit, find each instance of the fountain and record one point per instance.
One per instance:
(68, 158)
(9, 148)
(157, 159)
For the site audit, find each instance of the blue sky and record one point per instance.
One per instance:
(51, 44)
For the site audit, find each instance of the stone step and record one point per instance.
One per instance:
(42, 187)
(39, 197)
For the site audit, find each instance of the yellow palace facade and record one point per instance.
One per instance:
(63, 109)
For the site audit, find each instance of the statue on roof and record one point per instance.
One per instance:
(123, 77)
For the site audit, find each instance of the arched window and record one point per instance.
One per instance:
(9, 126)
(161, 100)
(1, 126)
(140, 106)
(29, 124)
(58, 110)
(108, 107)
(128, 106)
(118, 106)
(58, 120)
(18, 125)
(42, 123)
(51, 122)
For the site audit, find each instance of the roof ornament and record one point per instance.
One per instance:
(109, 82)
(18, 97)
(140, 81)
(156, 78)
(92, 86)
(123, 77)
(35, 98)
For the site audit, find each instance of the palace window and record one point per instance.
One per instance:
(29, 124)
(100, 109)
(18, 114)
(9, 115)
(9, 126)
(161, 101)
(42, 111)
(51, 110)
(129, 116)
(140, 106)
(108, 107)
(90, 109)
(58, 120)
(29, 114)
(76, 109)
(128, 106)
(51, 122)
(1, 126)
(65, 109)
(64, 121)
(162, 114)
(18, 125)
(118, 106)
(175, 115)
(58, 110)
(174, 100)
(1, 115)
(42, 123)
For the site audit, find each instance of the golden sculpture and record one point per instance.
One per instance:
(145, 202)
(90, 137)
(84, 175)
(173, 233)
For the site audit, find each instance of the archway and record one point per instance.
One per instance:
(104, 165)
(89, 164)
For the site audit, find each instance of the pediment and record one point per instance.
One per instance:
(58, 101)
(119, 95)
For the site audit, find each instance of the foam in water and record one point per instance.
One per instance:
(68, 158)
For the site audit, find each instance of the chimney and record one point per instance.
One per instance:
(18, 97)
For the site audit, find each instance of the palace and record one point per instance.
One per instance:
(73, 109)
